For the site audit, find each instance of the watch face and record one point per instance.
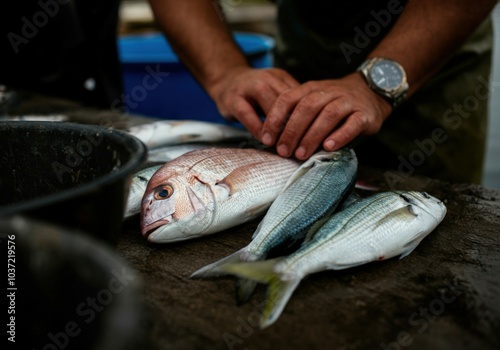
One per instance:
(386, 75)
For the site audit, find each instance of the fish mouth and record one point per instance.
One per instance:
(147, 230)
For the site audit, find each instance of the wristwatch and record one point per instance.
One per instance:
(386, 77)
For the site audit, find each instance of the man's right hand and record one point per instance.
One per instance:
(244, 92)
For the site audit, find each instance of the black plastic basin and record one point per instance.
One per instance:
(73, 175)
(69, 291)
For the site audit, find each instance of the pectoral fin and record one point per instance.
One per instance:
(405, 213)
(297, 174)
(238, 178)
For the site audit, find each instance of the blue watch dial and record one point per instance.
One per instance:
(386, 75)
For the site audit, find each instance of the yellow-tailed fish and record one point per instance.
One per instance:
(376, 228)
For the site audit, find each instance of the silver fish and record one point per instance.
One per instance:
(376, 228)
(311, 195)
(138, 188)
(209, 190)
(172, 132)
(39, 118)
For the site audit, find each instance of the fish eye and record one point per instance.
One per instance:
(163, 192)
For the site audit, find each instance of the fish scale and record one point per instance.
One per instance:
(271, 176)
(310, 198)
(218, 161)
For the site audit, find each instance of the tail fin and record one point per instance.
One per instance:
(244, 288)
(279, 291)
(214, 269)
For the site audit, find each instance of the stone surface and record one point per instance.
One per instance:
(445, 295)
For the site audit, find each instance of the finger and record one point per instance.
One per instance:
(356, 124)
(303, 116)
(328, 119)
(287, 79)
(269, 87)
(264, 94)
(280, 112)
(245, 113)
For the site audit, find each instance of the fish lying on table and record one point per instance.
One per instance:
(209, 190)
(171, 132)
(311, 195)
(158, 157)
(375, 228)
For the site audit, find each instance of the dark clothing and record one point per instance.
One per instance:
(322, 39)
(319, 39)
(65, 48)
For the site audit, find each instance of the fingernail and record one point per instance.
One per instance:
(283, 150)
(329, 145)
(301, 152)
(267, 139)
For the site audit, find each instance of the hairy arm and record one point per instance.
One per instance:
(199, 35)
(334, 112)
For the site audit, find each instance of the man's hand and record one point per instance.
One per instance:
(244, 92)
(328, 112)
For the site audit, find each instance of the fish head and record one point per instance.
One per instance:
(345, 154)
(424, 203)
(344, 159)
(176, 207)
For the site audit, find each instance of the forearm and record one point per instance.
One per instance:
(428, 32)
(200, 37)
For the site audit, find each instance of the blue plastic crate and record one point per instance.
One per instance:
(156, 84)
